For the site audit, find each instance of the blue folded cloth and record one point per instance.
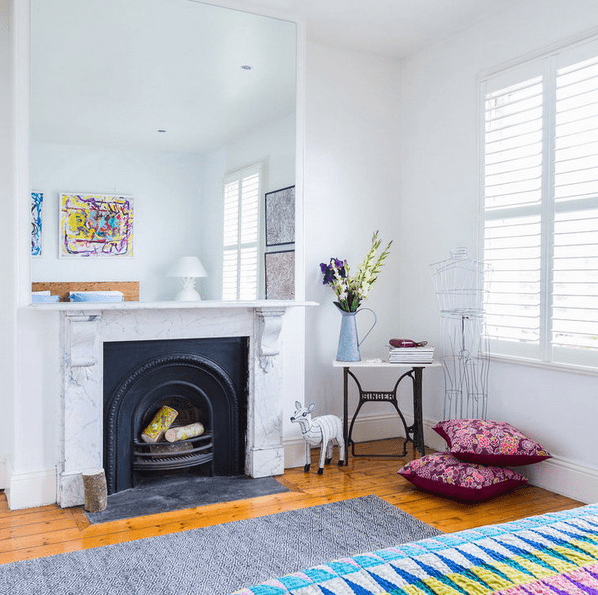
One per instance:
(96, 296)
(44, 298)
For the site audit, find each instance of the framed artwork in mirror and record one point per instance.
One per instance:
(37, 200)
(280, 275)
(96, 225)
(280, 217)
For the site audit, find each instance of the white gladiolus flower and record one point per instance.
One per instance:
(352, 290)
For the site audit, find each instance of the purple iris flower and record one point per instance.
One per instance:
(328, 271)
(340, 265)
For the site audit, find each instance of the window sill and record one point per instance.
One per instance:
(532, 363)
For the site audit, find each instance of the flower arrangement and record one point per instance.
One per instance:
(351, 291)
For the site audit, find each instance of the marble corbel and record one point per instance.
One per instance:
(268, 334)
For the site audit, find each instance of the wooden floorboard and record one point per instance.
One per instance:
(49, 530)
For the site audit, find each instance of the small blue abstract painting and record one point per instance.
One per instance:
(37, 199)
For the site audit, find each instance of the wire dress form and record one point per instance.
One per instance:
(461, 283)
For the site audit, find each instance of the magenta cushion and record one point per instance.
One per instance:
(441, 473)
(489, 442)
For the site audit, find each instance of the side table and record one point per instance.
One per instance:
(413, 433)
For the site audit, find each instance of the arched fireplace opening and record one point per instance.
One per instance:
(203, 380)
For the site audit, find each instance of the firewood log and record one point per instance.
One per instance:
(184, 432)
(161, 422)
(95, 491)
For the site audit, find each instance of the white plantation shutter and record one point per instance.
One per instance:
(513, 142)
(242, 193)
(512, 199)
(575, 251)
(575, 280)
(512, 247)
(540, 186)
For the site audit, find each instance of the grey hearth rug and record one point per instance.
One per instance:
(221, 559)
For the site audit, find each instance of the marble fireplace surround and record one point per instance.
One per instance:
(86, 328)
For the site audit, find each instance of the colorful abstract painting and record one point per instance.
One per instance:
(37, 199)
(96, 225)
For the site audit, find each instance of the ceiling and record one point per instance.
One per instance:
(394, 28)
(116, 72)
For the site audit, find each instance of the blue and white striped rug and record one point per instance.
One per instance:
(221, 559)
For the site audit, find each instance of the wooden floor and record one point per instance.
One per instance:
(48, 530)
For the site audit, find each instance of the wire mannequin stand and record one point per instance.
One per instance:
(460, 289)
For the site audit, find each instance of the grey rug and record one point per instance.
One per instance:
(222, 559)
(175, 492)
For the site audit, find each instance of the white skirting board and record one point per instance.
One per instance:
(564, 477)
(29, 490)
(3, 473)
(557, 475)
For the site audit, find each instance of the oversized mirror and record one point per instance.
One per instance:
(146, 117)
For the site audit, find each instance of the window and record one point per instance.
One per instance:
(242, 199)
(540, 188)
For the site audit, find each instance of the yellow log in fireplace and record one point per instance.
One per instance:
(161, 422)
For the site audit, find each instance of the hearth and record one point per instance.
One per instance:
(186, 490)
(203, 380)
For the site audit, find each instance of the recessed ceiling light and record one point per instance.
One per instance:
(247, 67)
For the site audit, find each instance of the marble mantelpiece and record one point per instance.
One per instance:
(84, 329)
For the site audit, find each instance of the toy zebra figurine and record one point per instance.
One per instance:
(319, 431)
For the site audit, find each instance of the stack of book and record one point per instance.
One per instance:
(411, 355)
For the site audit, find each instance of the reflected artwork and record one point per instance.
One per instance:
(280, 217)
(37, 199)
(96, 225)
(280, 275)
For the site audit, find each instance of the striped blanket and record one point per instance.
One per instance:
(551, 554)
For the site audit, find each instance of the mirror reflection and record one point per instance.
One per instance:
(162, 129)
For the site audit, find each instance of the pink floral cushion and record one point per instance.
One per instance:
(441, 473)
(489, 442)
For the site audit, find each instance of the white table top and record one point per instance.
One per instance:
(365, 363)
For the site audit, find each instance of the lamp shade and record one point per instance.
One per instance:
(187, 267)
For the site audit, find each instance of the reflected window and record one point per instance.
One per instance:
(242, 192)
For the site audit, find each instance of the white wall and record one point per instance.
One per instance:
(439, 201)
(351, 190)
(8, 234)
(275, 144)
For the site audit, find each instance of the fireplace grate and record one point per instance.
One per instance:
(193, 452)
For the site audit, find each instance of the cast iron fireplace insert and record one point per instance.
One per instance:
(205, 380)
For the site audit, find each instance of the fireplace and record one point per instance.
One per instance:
(203, 380)
(91, 400)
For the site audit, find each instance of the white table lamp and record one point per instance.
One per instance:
(188, 268)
